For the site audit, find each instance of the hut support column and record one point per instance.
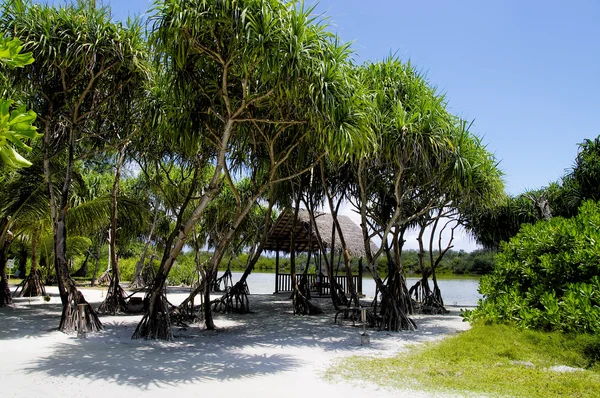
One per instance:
(277, 269)
(360, 276)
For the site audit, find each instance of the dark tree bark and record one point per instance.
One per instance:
(115, 296)
(338, 296)
(5, 296)
(422, 289)
(334, 212)
(155, 322)
(71, 297)
(395, 301)
(32, 285)
(22, 261)
(5, 240)
(301, 303)
(97, 259)
(236, 299)
(138, 279)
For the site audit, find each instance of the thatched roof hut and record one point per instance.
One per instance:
(306, 235)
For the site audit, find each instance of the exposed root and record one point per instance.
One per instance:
(31, 286)
(234, 300)
(393, 317)
(304, 287)
(425, 301)
(156, 323)
(184, 315)
(145, 278)
(104, 279)
(303, 306)
(115, 301)
(78, 315)
(222, 283)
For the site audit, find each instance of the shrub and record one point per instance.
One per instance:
(546, 277)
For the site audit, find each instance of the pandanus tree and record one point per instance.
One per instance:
(143, 191)
(413, 129)
(253, 75)
(470, 181)
(493, 225)
(85, 62)
(579, 184)
(490, 226)
(124, 123)
(215, 226)
(346, 137)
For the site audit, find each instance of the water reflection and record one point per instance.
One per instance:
(457, 292)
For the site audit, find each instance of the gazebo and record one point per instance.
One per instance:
(306, 239)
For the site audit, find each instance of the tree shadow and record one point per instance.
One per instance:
(29, 319)
(269, 341)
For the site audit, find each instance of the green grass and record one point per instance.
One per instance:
(493, 360)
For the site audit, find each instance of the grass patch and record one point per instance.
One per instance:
(495, 360)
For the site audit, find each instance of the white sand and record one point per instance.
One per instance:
(270, 353)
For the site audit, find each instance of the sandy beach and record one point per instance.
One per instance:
(269, 353)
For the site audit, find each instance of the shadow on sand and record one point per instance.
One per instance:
(245, 346)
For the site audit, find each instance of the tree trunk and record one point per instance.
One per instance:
(421, 289)
(154, 324)
(333, 287)
(138, 279)
(115, 296)
(33, 285)
(393, 316)
(5, 296)
(71, 298)
(236, 299)
(97, 259)
(334, 212)
(301, 303)
(22, 261)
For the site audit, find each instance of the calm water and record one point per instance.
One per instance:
(459, 292)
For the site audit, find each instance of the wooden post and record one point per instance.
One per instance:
(81, 333)
(277, 269)
(360, 275)
(364, 337)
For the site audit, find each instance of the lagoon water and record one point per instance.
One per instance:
(456, 292)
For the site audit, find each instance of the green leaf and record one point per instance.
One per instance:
(10, 53)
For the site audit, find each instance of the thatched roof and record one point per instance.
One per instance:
(306, 236)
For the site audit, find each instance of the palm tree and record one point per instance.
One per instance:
(24, 204)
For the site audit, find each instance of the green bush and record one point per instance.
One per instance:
(184, 270)
(546, 277)
(127, 268)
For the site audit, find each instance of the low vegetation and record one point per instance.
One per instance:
(498, 360)
(547, 276)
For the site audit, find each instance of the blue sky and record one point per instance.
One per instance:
(526, 72)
